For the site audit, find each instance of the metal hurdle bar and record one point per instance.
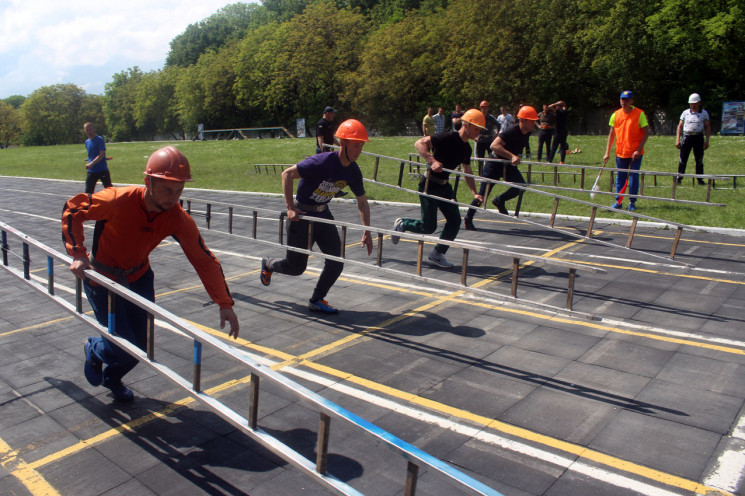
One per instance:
(524, 188)
(415, 457)
(467, 248)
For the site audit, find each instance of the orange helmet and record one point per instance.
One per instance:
(352, 129)
(527, 112)
(170, 164)
(475, 117)
(484, 104)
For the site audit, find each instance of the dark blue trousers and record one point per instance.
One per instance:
(130, 323)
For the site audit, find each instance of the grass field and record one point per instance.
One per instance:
(230, 164)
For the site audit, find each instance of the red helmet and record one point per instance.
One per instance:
(170, 164)
(483, 104)
(527, 112)
(352, 129)
(475, 117)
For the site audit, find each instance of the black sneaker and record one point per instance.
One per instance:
(122, 394)
(468, 225)
(701, 182)
(500, 206)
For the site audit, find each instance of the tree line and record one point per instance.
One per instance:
(384, 62)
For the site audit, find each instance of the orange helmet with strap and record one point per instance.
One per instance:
(170, 164)
(475, 117)
(352, 129)
(527, 112)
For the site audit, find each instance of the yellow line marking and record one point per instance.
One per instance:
(30, 478)
(131, 425)
(36, 326)
(581, 451)
(655, 271)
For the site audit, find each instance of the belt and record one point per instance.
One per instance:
(311, 208)
(693, 134)
(437, 180)
(119, 274)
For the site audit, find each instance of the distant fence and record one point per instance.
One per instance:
(243, 133)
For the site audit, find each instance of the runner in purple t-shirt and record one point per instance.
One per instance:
(321, 177)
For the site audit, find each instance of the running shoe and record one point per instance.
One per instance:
(266, 274)
(321, 306)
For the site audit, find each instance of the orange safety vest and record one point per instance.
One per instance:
(629, 131)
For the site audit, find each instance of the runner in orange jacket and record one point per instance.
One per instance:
(130, 223)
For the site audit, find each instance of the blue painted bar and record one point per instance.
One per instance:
(197, 352)
(50, 274)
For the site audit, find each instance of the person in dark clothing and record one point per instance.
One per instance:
(508, 145)
(321, 177)
(488, 134)
(560, 132)
(324, 131)
(546, 126)
(445, 150)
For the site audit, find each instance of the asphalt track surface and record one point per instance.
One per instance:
(645, 399)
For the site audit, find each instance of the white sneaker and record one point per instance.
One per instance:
(398, 225)
(439, 259)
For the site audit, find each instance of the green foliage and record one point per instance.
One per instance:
(385, 61)
(231, 22)
(119, 104)
(15, 101)
(204, 92)
(11, 123)
(297, 68)
(55, 115)
(155, 106)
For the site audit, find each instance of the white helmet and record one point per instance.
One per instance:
(694, 98)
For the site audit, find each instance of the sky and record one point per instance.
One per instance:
(47, 42)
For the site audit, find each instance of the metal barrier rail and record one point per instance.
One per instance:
(635, 216)
(420, 240)
(710, 178)
(258, 167)
(415, 457)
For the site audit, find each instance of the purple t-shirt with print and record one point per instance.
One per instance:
(322, 176)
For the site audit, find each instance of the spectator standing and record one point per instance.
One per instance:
(561, 132)
(509, 144)
(440, 120)
(630, 130)
(428, 123)
(445, 150)
(546, 126)
(96, 166)
(488, 134)
(321, 177)
(505, 118)
(455, 117)
(324, 131)
(695, 126)
(130, 222)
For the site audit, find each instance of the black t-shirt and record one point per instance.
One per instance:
(323, 128)
(450, 150)
(561, 120)
(514, 139)
(486, 136)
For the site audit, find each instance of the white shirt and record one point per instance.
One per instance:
(693, 122)
(505, 120)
